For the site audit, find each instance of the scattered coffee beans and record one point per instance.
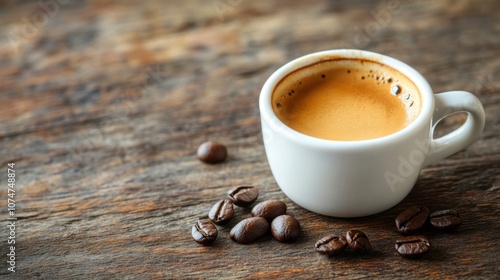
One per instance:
(270, 215)
(411, 220)
(269, 209)
(204, 232)
(445, 219)
(331, 245)
(413, 246)
(244, 195)
(212, 152)
(249, 230)
(358, 241)
(285, 228)
(221, 212)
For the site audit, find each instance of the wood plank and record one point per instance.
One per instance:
(102, 109)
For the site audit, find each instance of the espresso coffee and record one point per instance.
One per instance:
(346, 100)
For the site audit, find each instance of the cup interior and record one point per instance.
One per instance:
(283, 81)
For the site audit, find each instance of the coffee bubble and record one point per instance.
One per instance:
(395, 89)
(317, 102)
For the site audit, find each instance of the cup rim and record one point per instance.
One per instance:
(423, 118)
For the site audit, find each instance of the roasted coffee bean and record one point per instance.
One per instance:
(331, 245)
(204, 232)
(445, 219)
(244, 195)
(413, 246)
(269, 209)
(249, 230)
(411, 220)
(285, 228)
(358, 241)
(212, 152)
(221, 212)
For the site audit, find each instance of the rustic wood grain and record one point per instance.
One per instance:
(103, 105)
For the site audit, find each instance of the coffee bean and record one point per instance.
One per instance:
(269, 209)
(411, 220)
(212, 152)
(445, 219)
(204, 232)
(331, 245)
(285, 228)
(249, 230)
(221, 212)
(413, 246)
(244, 195)
(358, 241)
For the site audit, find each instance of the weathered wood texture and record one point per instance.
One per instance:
(103, 104)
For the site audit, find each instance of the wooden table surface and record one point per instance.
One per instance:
(104, 103)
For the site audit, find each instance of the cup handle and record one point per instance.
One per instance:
(447, 103)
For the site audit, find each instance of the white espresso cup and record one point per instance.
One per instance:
(362, 177)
